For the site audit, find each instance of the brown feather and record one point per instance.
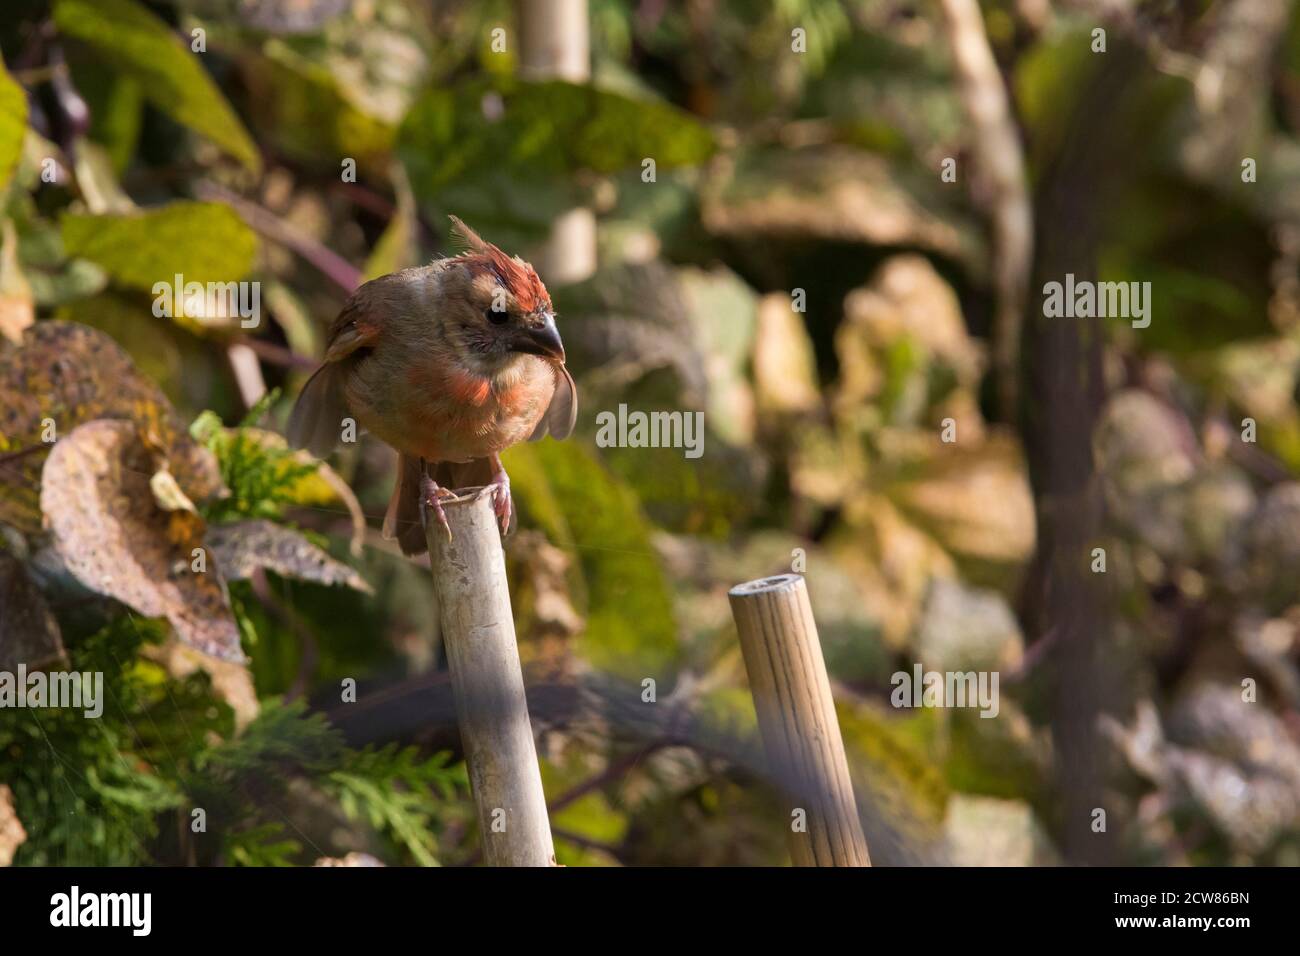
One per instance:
(519, 277)
(316, 422)
(562, 414)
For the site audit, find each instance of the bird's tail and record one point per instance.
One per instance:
(317, 418)
(402, 519)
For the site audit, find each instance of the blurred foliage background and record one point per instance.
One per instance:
(797, 266)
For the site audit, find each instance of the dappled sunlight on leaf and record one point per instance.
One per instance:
(202, 242)
(620, 586)
(66, 374)
(115, 538)
(143, 46)
(13, 124)
(243, 546)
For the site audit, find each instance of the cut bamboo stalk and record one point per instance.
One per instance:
(478, 631)
(796, 719)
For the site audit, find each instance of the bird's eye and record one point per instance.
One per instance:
(496, 317)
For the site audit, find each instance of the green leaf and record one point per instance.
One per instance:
(55, 279)
(116, 105)
(887, 95)
(592, 815)
(301, 107)
(396, 792)
(263, 845)
(631, 631)
(1205, 256)
(204, 242)
(13, 124)
(513, 129)
(140, 45)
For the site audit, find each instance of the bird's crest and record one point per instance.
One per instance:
(512, 272)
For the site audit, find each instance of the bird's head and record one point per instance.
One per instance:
(495, 305)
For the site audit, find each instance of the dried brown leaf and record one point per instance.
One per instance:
(244, 546)
(12, 834)
(17, 311)
(785, 368)
(113, 536)
(547, 617)
(63, 375)
(976, 502)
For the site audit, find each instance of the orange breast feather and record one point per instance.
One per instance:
(467, 388)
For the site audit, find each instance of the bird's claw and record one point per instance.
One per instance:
(431, 495)
(502, 503)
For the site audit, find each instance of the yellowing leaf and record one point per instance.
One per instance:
(396, 248)
(231, 681)
(202, 242)
(13, 124)
(301, 479)
(141, 46)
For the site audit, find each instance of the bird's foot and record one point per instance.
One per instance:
(501, 500)
(431, 495)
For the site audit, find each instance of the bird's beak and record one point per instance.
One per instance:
(541, 337)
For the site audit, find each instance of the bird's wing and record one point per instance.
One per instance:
(562, 414)
(356, 326)
(316, 418)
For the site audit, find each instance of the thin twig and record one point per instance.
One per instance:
(587, 843)
(612, 772)
(278, 354)
(330, 264)
(247, 372)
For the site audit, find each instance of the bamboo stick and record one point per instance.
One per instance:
(796, 719)
(478, 630)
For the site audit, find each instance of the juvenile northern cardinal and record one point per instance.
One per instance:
(450, 364)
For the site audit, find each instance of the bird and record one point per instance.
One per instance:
(450, 364)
